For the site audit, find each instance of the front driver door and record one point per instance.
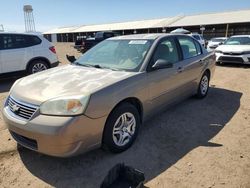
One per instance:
(163, 83)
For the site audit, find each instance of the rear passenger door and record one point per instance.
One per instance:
(13, 53)
(191, 64)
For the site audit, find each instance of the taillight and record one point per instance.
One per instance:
(52, 49)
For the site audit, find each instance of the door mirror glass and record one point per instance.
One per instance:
(162, 64)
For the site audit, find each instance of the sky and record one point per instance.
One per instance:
(50, 14)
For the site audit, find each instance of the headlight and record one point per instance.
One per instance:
(246, 52)
(65, 106)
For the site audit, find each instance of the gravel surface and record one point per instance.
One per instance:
(197, 143)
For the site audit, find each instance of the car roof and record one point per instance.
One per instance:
(150, 36)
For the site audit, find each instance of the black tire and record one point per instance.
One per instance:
(37, 63)
(108, 140)
(201, 93)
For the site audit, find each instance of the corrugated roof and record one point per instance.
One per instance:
(62, 30)
(240, 16)
(143, 24)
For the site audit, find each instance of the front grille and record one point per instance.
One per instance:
(232, 53)
(21, 109)
(231, 59)
(28, 142)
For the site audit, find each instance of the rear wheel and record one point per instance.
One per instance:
(121, 128)
(37, 66)
(203, 86)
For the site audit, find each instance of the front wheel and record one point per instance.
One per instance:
(203, 86)
(121, 128)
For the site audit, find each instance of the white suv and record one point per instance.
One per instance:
(25, 52)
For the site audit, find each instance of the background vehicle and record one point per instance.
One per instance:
(215, 42)
(195, 35)
(105, 95)
(25, 52)
(84, 44)
(199, 38)
(235, 50)
(79, 42)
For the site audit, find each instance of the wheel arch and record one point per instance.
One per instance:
(135, 102)
(38, 58)
(131, 100)
(208, 72)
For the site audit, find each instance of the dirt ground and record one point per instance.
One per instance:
(197, 143)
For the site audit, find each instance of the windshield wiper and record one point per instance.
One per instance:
(95, 66)
(87, 65)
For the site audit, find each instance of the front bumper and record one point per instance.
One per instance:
(54, 135)
(241, 59)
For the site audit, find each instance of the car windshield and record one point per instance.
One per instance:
(238, 41)
(126, 55)
(217, 40)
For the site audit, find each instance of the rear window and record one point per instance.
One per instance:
(13, 41)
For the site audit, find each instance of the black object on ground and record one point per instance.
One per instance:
(122, 176)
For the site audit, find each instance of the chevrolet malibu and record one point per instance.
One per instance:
(103, 98)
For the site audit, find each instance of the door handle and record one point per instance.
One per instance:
(180, 69)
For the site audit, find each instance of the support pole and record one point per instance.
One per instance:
(227, 30)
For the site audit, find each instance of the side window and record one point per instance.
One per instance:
(31, 40)
(167, 50)
(7, 42)
(19, 41)
(198, 47)
(13, 41)
(1, 42)
(188, 47)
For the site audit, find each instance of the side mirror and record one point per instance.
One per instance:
(71, 59)
(162, 64)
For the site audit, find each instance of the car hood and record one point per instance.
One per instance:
(64, 81)
(233, 48)
(213, 43)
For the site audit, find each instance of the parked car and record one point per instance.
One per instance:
(235, 50)
(199, 37)
(84, 44)
(26, 52)
(215, 42)
(79, 42)
(104, 96)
